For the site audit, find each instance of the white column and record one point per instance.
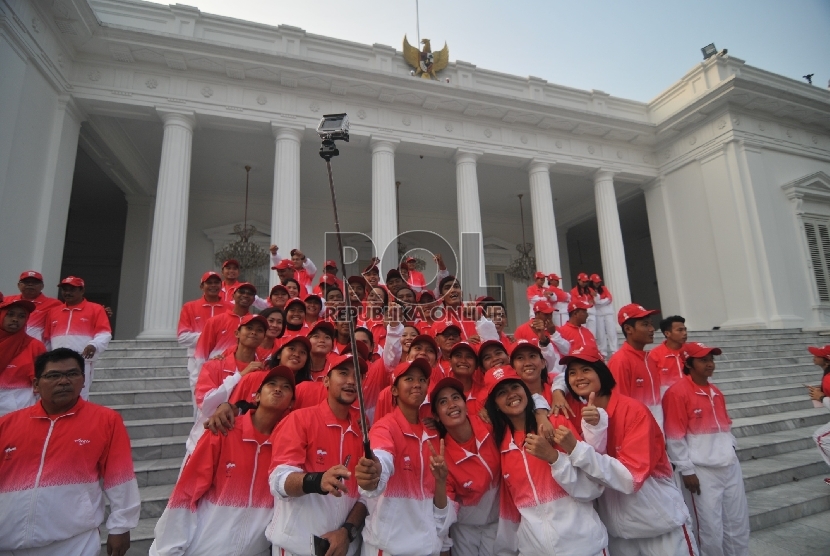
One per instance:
(384, 217)
(285, 203)
(544, 223)
(469, 221)
(615, 273)
(165, 280)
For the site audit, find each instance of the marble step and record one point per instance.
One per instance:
(806, 536)
(139, 361)
(141, 411)
(763, 424)
(770, 444)
(115, 353)
(770, 406)
(787, 502)
(723, 363)
(153, 472)
(762, 371)
(160, 427)
(147, 383)
(125, 373)
(765, 392)
(783, 468)
(159, 447)
(727, 384)
(132, 395)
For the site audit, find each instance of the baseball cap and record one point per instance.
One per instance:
(30, 274)
(543, 306)
(371, 268)
(279, 370)
(278, 287)
(595, 278)
(72, 281)
(418, 363)
(330, 264)
(293, 301)
(634, 311)
(553, 276)
(519, 344)
(442, 326)
(820, 351)
(340, 359)
(425, 338)
(696, 349)
(282, 265)
(247, 319)
(355, 279)
(582, 276)
(23, 303)
(302, 339)
(313, 295)
(582, 353)
(411, 260)
(420, 295)
(538, 275)
(209, 274)
(578, 304)
(446, 382)
(362, 349)
(497, 375)
(489, 343)
(322, 324)
(462, 345)
(230, 261)
(394, 273)
(246, 285)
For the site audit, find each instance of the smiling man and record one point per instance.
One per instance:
(30, 285)
(18, 352)
(218, 333)
(79, 325)
(61, 456)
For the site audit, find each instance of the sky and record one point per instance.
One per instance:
(632, 49)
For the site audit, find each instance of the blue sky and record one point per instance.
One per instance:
(630, 49)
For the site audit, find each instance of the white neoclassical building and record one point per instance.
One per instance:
(125, 128)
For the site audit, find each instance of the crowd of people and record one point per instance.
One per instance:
(555, 440)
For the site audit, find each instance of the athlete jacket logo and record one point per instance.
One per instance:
(321, 455)
(407, 463)
(639, 381)
(84, 319)
(81, 441)
(468, 484)
(228, 466)
(9, 451)
(698, 413)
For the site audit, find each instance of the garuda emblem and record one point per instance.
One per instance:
(426, 62)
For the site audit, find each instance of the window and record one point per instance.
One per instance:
(818, 243)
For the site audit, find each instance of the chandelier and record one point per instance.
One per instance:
(524, 267)
(250, 255)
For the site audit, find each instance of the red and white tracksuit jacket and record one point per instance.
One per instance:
(637, 378)
(417, 281)
(192, 321)
(227, 291)
(546, 509)
(669, 364)
(218, 335)
(822, 435)
(37, 320)
(626, 453)
(221, 503)
(534, 294)
(473, 486)
(403, 519)
(75, 328)
(577, 336)
(55, 470)
(305, 275)
(312, 440)
(16, 379)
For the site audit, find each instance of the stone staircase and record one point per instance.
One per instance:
(761, 374)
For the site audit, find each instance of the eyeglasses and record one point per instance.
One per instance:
(54, 376)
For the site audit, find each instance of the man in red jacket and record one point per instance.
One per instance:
(575, 331)
(218, 333)
(669, 358)
(559, 298)
(537, 292)
(30, 285)
(635, 377)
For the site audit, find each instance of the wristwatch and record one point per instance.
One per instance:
(351, 530)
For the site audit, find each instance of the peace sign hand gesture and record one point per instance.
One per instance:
(437, 463)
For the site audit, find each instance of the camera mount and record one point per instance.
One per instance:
(332, 127)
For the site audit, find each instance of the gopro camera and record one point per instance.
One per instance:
(334, 127)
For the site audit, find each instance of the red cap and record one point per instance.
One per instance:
(371, 268)
(278, 287)
(246, 285)
(587, 353)
(282, 265)
(820, 351)
(340, 359)
(356, 280)
(362, 349)
(696, 349)
(411, 260)
(294, 300)
(302, 339)
(30, 274)
(634, 311)
(446, 382)
(463, 345)
(279, 370)
(24, 303)
(322, 324)
(253, 318)
(421, 294)
(582, 276)
(524, 344)
(497, 375)
(425, 338)
(72, 281)
(543, 306)
(578, 304)
(489, 343)
(419, 363)
(442, 326)
(330, 263)
(538, 275)
(230, 261)
(394, 273)
(209, 274)
(484, 299)
(314, 295)
(595, 278)
(553, 276)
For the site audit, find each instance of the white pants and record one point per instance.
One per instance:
(822, 438)
(560, 318)
(85, 544)
(591, 323)
(606, 335)
(193, 376)
(473, 540)
(370, 550)
(720, 511)
(679, 542)
(89, 369)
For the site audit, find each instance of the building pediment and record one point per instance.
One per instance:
(814, 187)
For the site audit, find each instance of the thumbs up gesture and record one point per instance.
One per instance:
(590, 413)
